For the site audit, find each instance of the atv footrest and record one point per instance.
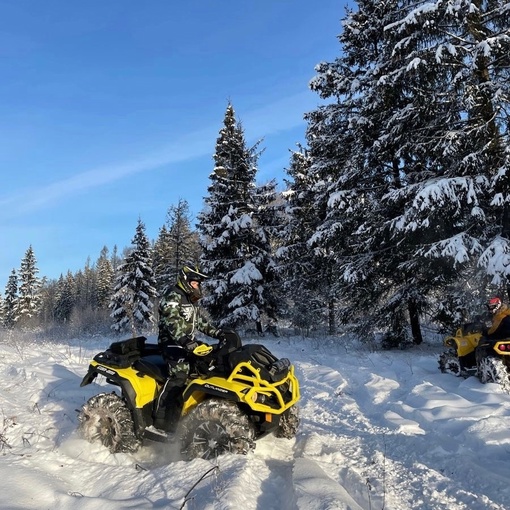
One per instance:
(154, 434)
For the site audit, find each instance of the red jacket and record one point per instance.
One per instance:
(500, 324)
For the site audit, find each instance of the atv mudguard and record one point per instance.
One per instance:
(138, 387)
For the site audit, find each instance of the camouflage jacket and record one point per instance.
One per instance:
(179, 319)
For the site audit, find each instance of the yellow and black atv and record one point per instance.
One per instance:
(470, 353)
(255, 394)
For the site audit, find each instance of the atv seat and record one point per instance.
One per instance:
(154, 366)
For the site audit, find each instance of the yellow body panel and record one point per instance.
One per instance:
(464, 343)
(145, 387)
(245, 381)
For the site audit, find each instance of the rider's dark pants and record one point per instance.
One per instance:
(169, 403)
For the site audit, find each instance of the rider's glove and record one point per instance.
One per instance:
(222, 337)
(188, 343)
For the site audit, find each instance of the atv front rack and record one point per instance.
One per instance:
(265, 395)
(245, 384)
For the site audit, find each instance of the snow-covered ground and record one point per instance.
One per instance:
(379, 431)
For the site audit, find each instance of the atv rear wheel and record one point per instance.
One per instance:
(449, 363)
(289, 423)
(492, 369)
(105, 418)
(215, 427)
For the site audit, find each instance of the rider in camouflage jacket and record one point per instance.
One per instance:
(179, 316)
(179, 319)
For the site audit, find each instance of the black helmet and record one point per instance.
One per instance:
(188, 274)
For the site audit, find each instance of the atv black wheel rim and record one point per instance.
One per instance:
(493, 370)
(215, 427)
(107, 430)
(211, 439)
(106, 419)
(449, 363)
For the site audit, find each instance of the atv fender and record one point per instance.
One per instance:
(197, 391)
(137, 389)
(89, 376)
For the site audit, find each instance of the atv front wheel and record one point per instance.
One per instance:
(106, 419)
(492, 369)
(449, 363)
(215, 427)
(289, 423)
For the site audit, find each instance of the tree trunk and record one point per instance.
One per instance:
(331, 317)
(415, 322)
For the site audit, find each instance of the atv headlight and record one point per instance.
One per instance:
(259, 398)
(449, 342)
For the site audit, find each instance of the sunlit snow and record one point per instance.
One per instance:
(378, 430)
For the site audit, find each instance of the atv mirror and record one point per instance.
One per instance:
(202, 350)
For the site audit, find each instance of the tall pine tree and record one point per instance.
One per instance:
(104, 279)
(10, 303)
(29, 300)
(65, 298)
(177, 245)
(133, 301)
(236, 252)
(298, 266)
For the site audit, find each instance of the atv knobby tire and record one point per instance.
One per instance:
(215, 427)
(493, 370)
(449, 363)
(105, 418)
(289, 423)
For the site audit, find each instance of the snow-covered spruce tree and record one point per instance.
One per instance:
(235, 248)
(357, 151)
(29, 299)
(177, 245)
(267, 218)
(65, 298)
(10, 304)
(48, 300)
(397, 87)
(85, 284)
(452, 58)
(132, 302)
(162, 260)
(344, 188)
(297, 265)
(104, 279)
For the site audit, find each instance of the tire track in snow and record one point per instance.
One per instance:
(403, 463)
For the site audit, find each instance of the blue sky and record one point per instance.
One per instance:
(110, 110)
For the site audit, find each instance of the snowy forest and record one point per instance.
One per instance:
(394, 214)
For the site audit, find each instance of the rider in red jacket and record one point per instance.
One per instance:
(500, 327)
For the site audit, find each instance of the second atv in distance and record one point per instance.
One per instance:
(222, 412)
(470, 353)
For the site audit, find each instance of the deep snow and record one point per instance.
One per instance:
(379, 430)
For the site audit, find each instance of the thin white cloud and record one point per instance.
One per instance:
(282, 115)
(279, 116)
(31, 199)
